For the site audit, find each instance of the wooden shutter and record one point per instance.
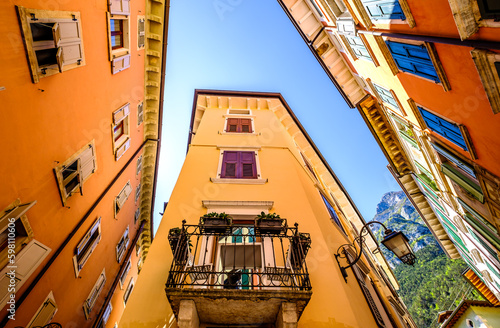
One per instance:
(413, 59)
(119, 7)
(140, 113)
(122, 149)
(45, 315)
(139, 165)
(121, 113)
(333, 214)
(123, 195)
(129, 290)
(245, 125)
(444, 128)
(125, 272)
(87, 162)
(463, 181)
(247, 168)
(455, 160)
(384, 9)
(107, 313)
(120, 63)
(232, 125)
(229, 163)
(141, 32)
(94, 293)
(137, 192)
(16, 213)
(346, 26)
(87, 245)
(69, 41)
(32, 255)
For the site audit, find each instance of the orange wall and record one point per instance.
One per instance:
(44, 124)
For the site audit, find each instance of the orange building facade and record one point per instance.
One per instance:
(83, 85)
(426, 79)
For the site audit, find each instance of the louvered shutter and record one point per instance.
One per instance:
(68, 39)
(358, 47)
(141, 32)
(465, 182)
(413, 59)
(125, 273)
(444, 128)
(119, 7)
(245, 125)
(120, 63)
(123, 195)
(140, 113)
(107, 313)
(94, 294)
(455, 160)
(122, 149)
(87, 162)
(386, 95)
(121, 113)
(346, 26)
(45, 315)
(246, 165)
(232, 125)
(229, 163)
(139, 165)
(30, 258)
(384, 9)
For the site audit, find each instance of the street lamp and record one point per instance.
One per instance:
(395, 241)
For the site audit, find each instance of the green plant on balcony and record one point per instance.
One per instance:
(179, 245)
(270, 223)
(218, 223)
(299, 247)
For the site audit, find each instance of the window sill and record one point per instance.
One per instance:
(240, 133)
(239, 181)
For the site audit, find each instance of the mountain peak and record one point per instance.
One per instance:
(390, 199)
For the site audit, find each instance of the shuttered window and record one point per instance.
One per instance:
(140, 113)
(239, 125)
(139, 165)
(386, 96)
(480, 224)
(121, 130)
(87, 245)
(471, 186)
(455, 160)
(91, 300)
(137, 193)
(124, 274)
(122, 245)
(384, 9)
(489, 9)
(333, 214)
(308, 165)
(128, 291)
(444, 128)
(137, 214)
(358, 47)
(45, 314)
(107, 313)
(119, 7)
(141, 32)
(239, 165)
(413, 59)
(122, 197)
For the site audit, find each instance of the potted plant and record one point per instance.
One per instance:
(179, 244)
(269, 224)
(299, 247)
(218, 223)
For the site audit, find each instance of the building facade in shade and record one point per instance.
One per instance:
(248, 155)
(81, 112)
(425, 78)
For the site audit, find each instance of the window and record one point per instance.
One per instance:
(484, 227)
(124, 274)
(86, 246)
(53, 41)
(137, 193)
(122, 197)
(239, 165)
(130, 287)
(139, 165)
(384, 9)
(89, 303)
(418, 59)
(140, 113)
(45, 313)
(488, 67)
(240, 125)
(137, 215)
(121, 131)
(333, 214)
(357, 46)
(106, 314)
(308, 166)
(122, 245)
(450, 131)
(387, 97)
(138, 248)
(489, 9)
(72, 174)
(405, 132)
(141, 32)
(118, 34)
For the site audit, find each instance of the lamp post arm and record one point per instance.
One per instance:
(358, 256)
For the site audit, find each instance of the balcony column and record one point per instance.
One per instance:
(188, 315)
(287, 317)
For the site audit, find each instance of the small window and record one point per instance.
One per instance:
(141, 32)
(130, 287)
(357, 46)
(137, 215)
(72, 174)
(121, 131)
(53, 41)
(122, 245)
(384, 9)
(118, 34)
(138, 248)
(449, 130)
(122, 197)
(387, 97)
(239, 111)
(140, 113)
(45, 313)
(116, 27)
(308, 166)
(124, 274)
(106, 314)
(91, 300)
(86, 246)
(137, 193)
(333, 213)
(489, 9)
(239, 125)
(139, 165)
(239, 165)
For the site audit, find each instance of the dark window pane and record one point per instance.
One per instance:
(232, 128)
(247, 170)
(230, 170)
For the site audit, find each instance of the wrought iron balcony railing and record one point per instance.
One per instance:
(238, 256)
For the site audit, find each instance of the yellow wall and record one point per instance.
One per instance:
(483, 317)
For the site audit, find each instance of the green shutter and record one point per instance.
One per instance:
(470, 186)
(484, 244)
(408, 138)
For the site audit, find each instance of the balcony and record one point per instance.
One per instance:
(240, 273)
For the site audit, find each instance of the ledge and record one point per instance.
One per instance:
(240, 181)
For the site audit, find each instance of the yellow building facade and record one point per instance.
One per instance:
(249, 154)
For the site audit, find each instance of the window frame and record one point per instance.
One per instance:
(86, 246)
(94, 294)
(140, 113)
(139, 165)
(141, 32)
(126, 191)
(257, 180)
(121, 117)
(122, 245)
(369, 21)
(125, 23)
(128, 291)
(137, 195)
(26, 17)
(83, 172)
(123, 276)
(239, 114)
(334, 216)
(397, 107)
(33, 323)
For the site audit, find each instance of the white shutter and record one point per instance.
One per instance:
(119, 7)
(123, 195)
(69, 40)
(87, 160)
(139, 165)
(125, 273)
(94, 293)
(15, 213)
(140, 113)
(122, 149)
(107, 313)
(141, 32)
(121, 113)
(44, 315)
(120, 63)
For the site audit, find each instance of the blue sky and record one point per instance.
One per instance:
(251, 45)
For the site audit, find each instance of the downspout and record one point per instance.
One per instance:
(33, 284)
(436, 39)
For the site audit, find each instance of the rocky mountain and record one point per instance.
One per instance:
(397, 213)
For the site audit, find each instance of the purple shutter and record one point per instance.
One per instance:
(247, 167)
(229, 164)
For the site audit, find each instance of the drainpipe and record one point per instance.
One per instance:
(436, 39)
